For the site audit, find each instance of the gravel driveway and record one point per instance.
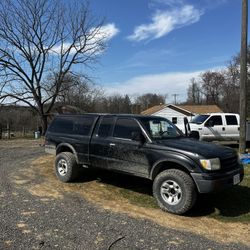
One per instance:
(28, 221)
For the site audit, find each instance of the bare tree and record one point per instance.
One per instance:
(194, 92)
(230, 90)
(41, 38)
(149, 100)
(222, 88)
(81, 93)
(212, 82)
(233, 83)
(114, 104)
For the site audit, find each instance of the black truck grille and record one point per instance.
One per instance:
(229, 163)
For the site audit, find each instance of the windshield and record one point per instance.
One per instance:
(160, 128)
(199, 119)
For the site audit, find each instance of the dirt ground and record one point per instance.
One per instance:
(36, 177)
(100, 193)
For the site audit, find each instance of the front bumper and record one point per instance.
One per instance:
(207, 183)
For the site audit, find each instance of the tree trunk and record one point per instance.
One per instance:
(44, 119)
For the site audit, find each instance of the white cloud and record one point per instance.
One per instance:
(168, 2)
(163, 22)
(165, 83)
(105, 33)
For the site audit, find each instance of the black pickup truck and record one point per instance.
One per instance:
(146, 146)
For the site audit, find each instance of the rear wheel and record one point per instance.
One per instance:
(174, 191)
(66, 167)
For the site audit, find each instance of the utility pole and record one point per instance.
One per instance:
(243, 77)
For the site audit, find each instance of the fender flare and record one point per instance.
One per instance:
(184, 164)
(67, 145)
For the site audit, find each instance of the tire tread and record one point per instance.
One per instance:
(73, 168)
(191, 193)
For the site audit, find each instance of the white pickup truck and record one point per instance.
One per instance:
(215, 127)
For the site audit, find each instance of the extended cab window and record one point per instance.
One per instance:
(82, 125)
(124, 128)
(72, 125)
(215, 120)
(231, 120)
(105, 127)
(61, 125)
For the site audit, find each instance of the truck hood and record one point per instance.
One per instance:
(203, 149)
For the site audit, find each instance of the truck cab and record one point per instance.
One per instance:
(215, 127)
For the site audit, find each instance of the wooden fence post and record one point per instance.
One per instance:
(8, 130)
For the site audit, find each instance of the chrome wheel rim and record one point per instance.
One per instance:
(62, 167)
(171, 192)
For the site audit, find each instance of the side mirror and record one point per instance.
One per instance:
(138, 136)
(186, 126)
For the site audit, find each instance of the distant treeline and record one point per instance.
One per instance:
(18, 118)
(90, 100)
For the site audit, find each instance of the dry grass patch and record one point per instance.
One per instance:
(130, 195)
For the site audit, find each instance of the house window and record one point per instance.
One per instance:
(174, 120)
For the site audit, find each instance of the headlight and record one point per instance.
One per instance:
(210, 164)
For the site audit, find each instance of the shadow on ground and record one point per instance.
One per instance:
(133, 183)
(232, 204)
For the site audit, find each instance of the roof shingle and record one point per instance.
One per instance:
(194, 109)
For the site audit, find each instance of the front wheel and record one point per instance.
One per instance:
(174, 191)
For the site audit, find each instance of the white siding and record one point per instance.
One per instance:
(170, 113)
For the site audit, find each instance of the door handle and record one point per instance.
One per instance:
(112, 144)
(223, 129)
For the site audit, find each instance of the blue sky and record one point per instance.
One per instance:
(159, 45)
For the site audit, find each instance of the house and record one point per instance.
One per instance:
(176, 113)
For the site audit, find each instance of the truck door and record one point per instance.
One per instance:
(214, 129)
(126, 154)
(80, 136)
(100, 142)
(232, 127)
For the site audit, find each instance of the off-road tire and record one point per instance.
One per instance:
(66, 167)
(185, 184)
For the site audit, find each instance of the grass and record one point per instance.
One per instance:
(232, 205)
